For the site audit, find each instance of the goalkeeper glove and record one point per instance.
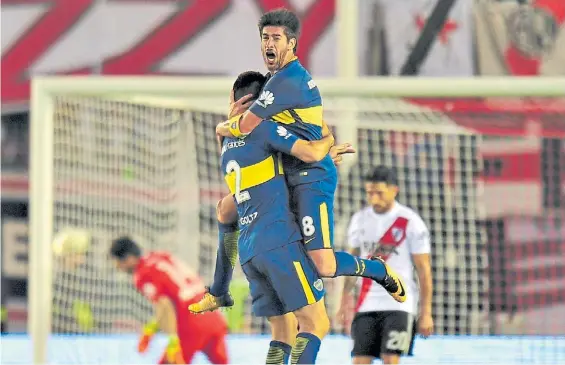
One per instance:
(174, 351)
(149, 330)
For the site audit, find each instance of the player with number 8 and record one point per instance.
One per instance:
(284, 283)
(292, 98)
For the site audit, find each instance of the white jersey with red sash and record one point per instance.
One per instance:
(395, 236)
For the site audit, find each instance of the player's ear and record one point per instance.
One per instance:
(291, 43)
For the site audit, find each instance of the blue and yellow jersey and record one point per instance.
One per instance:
(291, 97)
(253, 171)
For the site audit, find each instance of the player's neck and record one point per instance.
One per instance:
(287, 60)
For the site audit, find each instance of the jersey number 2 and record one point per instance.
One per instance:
(240, 196)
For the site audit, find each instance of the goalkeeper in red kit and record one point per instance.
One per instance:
(172, 286)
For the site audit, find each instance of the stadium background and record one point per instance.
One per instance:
(515, 282)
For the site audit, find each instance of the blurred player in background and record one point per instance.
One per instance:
(291, 98)
(283, 281)
(171, 286)
(71, 248)
(382, 327)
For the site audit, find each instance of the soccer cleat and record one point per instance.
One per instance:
(210, 303)
(392, 282)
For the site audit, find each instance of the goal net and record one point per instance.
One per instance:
(146, 163)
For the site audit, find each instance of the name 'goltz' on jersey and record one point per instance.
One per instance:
(394, 236)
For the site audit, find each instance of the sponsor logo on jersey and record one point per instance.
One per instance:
(231, 145)
(266, 98)
(283, 132)
(311, 84)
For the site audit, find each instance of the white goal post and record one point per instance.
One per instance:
(344, 98)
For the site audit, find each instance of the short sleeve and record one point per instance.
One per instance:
(149, 285)
(276, 137)
(279, 94)
(418, 236)
(355, 231)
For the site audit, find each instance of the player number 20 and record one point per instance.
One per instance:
(398, 341)
(308, 228)
(240, 196)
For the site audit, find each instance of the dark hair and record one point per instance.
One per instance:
(249, 82)
(282, 18)
(123, 247)
(382, 174)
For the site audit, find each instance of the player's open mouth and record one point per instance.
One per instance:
(270, 56)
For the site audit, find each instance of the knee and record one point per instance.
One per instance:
(315, 323)
(226, 212)
(321, 326)
(325, 263)
(284, 328)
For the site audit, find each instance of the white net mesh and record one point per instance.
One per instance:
(118, 167)
(149, 169)
(118, 170)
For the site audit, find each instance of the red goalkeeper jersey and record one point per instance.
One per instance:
(159, 274)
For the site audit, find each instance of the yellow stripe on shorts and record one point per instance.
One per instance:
(325, 224)
(304, 282)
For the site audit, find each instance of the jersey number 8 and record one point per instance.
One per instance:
(308, 227)
(240, 196)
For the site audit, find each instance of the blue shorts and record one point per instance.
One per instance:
(313, 205)
(282, 280)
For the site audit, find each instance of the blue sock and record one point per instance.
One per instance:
(279, 353)
(225, 258)
(349, 265)
(305, 349)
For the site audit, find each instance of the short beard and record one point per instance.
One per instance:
(282, 59)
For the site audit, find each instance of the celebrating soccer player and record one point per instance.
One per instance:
(171, 286)
(283, 281)
(291, 98)
(382, 327)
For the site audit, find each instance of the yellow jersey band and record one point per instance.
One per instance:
(253, 175)
(234, 126)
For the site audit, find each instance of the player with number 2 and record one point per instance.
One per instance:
(291, 98)
(283, 281)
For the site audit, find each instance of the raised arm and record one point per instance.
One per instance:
(280, 139)
(312, 151)
(279, 94)
(239, 125)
